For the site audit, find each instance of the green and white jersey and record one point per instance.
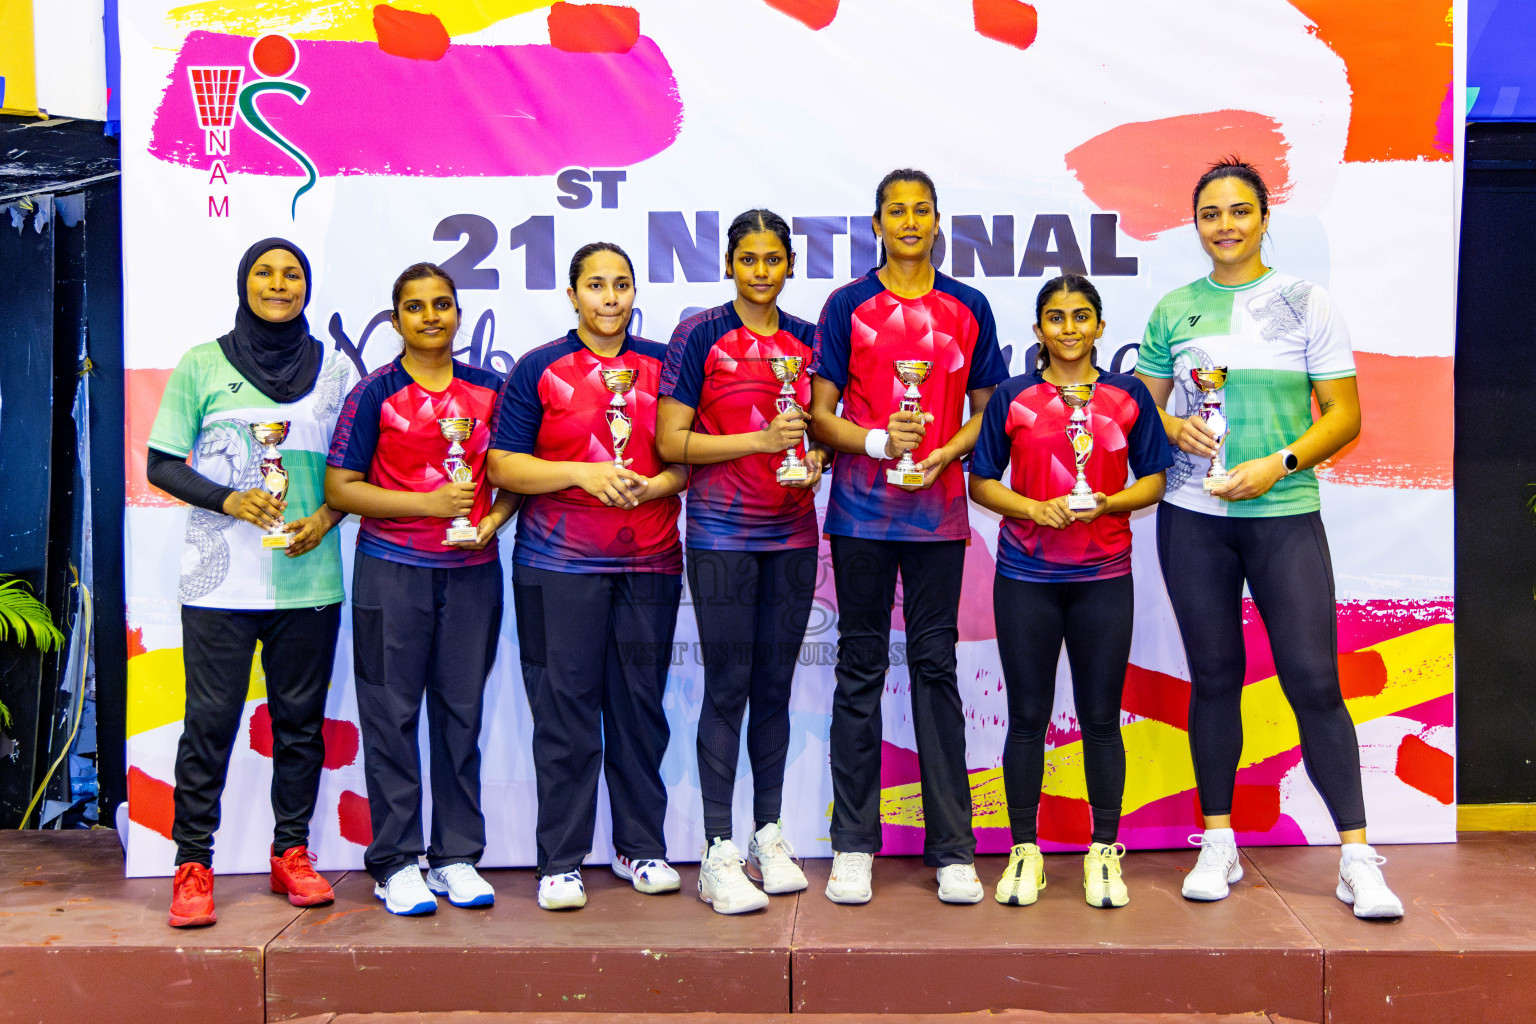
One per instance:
(1276, 336)
(206, 412)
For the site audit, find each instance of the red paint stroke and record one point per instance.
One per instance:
(1144, 170)
(341, 737)
(1065, 819)
(409, 34)
(141, 392)
(1406, 434)
(151, 803)
(136, 642)
(1254, 808)
(1362, 673)
(1007, 21)
(814, 14)
(1156, 695)
(529, 113)
(352, 815)
(593, 28)
(1427, 769)
(1398, 61)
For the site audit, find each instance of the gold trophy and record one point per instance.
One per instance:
(787, 370)
(619, 382)
(1211, 381)
(1076, 398)
(274, 478)
(456, 430)
(910, 372)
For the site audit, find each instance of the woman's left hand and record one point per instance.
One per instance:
(1100, 506)
(815, 461)
(1251, 479)
(306, 533)
(486, 529)
(932, 466)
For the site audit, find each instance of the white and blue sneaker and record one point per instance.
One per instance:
(462, 884)
(563, 891)
(405, 893)
(648, 876)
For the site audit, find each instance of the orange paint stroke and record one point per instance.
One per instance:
(1427, 769)
(1144, 170)
(1406, 436)
(142, 390)
(593, 28)
(409, 34)
(151, 803)
(1007, 21)
(1398, 61)
(814, 14)
(1362, 674)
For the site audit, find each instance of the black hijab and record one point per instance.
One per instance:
(280, 360)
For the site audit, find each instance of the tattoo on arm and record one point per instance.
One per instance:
(1326, 405)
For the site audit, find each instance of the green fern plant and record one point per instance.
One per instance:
(24, 617)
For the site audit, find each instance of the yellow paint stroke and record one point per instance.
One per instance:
(157, 688)
(1419, 669)
(340, 20)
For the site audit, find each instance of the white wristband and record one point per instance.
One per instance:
(875, 442)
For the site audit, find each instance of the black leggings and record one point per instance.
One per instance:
(752, 607)
(1094, 618)
(1205, 560)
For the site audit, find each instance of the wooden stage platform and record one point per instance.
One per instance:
(78, 942)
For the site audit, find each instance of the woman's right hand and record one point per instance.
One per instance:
(784, 432)
(451, 499)
(255, 506)
(907, 430)
(615, 486)
(1053, 513)
(1195, 437)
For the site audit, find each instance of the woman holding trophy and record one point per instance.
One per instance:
(1064, 567)
(733, 396)
(596, 578)
(901, 350)
(260, 562)
(1250, 346)
(409, 457)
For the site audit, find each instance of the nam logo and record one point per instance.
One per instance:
(218, 96)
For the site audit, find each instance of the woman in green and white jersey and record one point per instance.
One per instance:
(1281, 341)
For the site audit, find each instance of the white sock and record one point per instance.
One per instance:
(1221, 835)
(1350, 852)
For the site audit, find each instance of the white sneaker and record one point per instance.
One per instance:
(771, 859)
(1362, 887)
(647, 876)
(563, 891)
(405, 893)
(1217, 868)
(958, 884)
(722, 883)
(462, 884)
(850, 878)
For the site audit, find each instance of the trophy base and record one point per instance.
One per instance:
(461, 535)
(1081, 503)
(1213, 482)
(794, 474)
(904, 477)
(276, 540)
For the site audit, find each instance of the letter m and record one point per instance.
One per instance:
(218, 208)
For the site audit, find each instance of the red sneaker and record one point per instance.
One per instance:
(293, 874)
(192, 896)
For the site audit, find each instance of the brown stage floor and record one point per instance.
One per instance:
(78, 942)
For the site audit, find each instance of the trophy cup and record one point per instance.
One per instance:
(274, 478)
(910, 372)
(619, 382)
(456, 430)
(1210, 382)
(787, 369)
(1076, 398)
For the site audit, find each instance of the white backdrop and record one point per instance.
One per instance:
(1083, 138)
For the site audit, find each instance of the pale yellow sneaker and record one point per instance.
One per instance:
(1021, 883)
(1102, 884)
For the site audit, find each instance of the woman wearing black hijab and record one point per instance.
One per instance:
(236, 590)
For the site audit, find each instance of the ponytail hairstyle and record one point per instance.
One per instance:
(752, 222)
(419, 272)
(1066, 283)
(901, 174)
(592, 248)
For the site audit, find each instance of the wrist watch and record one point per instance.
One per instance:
(1288, 460)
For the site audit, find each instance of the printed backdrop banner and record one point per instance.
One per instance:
(497, 136)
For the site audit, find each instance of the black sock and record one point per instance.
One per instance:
(1022, 820)
(1106, 825)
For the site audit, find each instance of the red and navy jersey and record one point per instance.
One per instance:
(388, 432)
(719, 368)
(554, 406)
(864, 329)
(1026, 423)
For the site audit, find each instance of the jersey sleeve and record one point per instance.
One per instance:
(1329, 353)
(993, 445)
(830, 344)
(987, 366)
(357, 430)
(181, 410)
(1149, 450)
(682, 374)
(1155, 358)
(519, 412)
